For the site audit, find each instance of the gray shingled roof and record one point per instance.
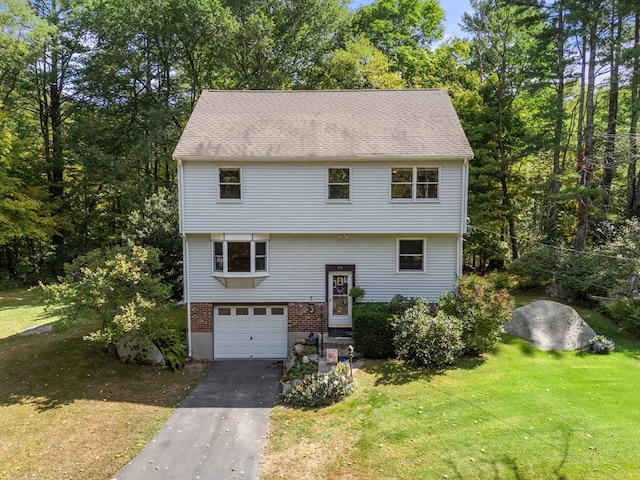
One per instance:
(323, 123)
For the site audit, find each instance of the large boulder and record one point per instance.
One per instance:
(550, 326)
(137, 348)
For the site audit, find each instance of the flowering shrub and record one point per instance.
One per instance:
(481, 308)
(321, 389)
(426, 340)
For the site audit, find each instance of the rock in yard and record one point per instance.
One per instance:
(550, 326)
(139, 349)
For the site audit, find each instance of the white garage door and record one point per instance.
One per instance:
(245, 331)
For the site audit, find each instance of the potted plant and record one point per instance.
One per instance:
(356, 293)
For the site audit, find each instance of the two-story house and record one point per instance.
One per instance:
(289, 198)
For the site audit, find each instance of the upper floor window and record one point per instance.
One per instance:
(411, 254)
(414, 183)
(339, 184)
(229, 183)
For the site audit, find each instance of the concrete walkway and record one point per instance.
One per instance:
(219, 431)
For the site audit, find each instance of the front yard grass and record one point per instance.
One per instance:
(21, 309)
(517, 413)
(66, 409)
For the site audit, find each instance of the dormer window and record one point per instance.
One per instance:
(414, 183)
(229, 183)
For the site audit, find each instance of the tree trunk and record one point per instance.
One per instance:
(610, 145)
(633, 178)
(551, 227)
(585, 165)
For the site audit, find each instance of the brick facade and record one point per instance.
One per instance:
(300, 320)
(202, 317)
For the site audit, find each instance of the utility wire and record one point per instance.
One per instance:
(555, 247)
(550, 272)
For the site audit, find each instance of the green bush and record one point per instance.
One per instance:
(625, 313)
(426, 340)
(6, 281)
(501, 279)
(399, 304)
(321, 389)
(373, 330)
(536, 268)
(119, 286)
(301, 370)
(579, 276)
(481, 309)
(170, 341)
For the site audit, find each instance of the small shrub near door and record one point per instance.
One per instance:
(430, 341)
(373, 330)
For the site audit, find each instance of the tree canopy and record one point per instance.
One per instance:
(94, 95)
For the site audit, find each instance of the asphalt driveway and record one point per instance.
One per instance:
(219, 431)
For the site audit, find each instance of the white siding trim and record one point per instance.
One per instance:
(465, 196)
(181, 202)
(185, 286)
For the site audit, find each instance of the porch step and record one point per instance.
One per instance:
(339, 343)
(340, 332)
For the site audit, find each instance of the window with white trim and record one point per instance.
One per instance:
(411, 255)
(339, 184)
(231, 257)
(229, 183)
(415, 183)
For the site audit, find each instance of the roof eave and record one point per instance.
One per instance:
(376, 158)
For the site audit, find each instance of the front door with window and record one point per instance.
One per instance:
(339, 300)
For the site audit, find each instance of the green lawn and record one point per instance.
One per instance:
(517, 413)
(67, 410)
(21, 309)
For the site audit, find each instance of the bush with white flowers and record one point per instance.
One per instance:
(321, 389)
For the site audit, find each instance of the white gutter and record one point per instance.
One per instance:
(463, 215)
(185, 285)
(180, 196)
(185, 256)
(323, 158)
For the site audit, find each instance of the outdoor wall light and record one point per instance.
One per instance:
(311, 306)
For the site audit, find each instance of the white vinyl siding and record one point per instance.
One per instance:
(292, 198)
(297, 268)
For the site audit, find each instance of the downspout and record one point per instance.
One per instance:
(463, 216)
(185, 283)
(185, 256)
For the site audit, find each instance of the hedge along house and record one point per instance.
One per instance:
(290, 198)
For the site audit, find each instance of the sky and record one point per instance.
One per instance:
(453, 10)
